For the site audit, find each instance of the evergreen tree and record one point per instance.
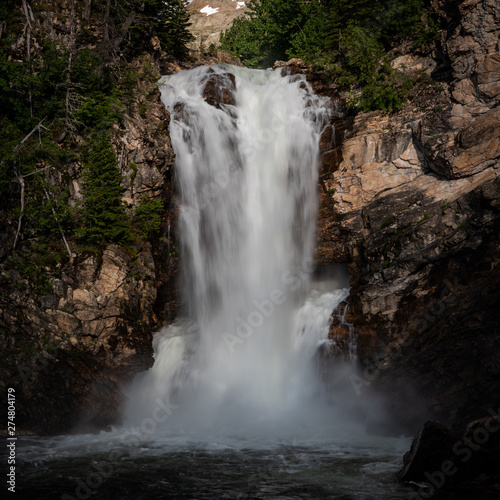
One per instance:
(265, 34)
(349, 38)
(103, 215)
(170, 19)
(166, 19)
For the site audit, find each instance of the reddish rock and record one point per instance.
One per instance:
(219, 89)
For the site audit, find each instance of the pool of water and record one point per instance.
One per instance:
(124, 464)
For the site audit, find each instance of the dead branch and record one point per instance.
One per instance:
(28, 49)
(124, 30)
(35, 172)
(88, 7)
(28, 13)
(21, 144)
(57, 221)
(20, 179)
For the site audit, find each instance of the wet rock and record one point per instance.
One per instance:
(413, 207)
(446, 460)
(219, 89)
(431, 451)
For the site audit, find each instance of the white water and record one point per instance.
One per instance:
(245, 355)
(231, 410)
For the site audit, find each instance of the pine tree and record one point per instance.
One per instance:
(170, 20)
(103, 215)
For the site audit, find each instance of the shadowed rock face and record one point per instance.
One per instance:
(412, 202)
(207, 26)
(465, 461)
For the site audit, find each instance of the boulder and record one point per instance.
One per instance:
(219, 89)
(444, 460)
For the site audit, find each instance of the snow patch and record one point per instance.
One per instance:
(209, 10)
(240, 5)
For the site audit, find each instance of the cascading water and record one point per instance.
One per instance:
(237, 404)
(247, 175)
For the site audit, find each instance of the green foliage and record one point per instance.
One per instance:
(99, 111)
(166, 19)
(47, 209)
(7, 10)
(362, 55)
(379, 95)
(89, 72)
(31, 266)
(103, 217)
(310, 40)
(148, 215)
(171, 21)
(349, 38)
(99, 85)
(212, 50)
(265, 35)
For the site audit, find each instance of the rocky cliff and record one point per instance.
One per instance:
(211, 18)
(411, 201)
(71, 345)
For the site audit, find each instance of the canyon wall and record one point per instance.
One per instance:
(411, 201)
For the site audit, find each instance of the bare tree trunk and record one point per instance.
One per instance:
(68, 83)
(72, 27)
(27, 12)
(88, 7)
(21, 144)
(124, 30)
(106, 23)
(20, 179)
(72, 42)
(3, 27)
(57, 221)
(28, 48)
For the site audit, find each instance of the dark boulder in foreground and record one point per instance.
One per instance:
(444, 460)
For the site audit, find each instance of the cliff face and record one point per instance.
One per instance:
(72, 345)
(413, 205)
(211, 18)
(72, 349)
(411, 201)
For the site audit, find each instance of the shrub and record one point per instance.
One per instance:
(148, 215)
(102, 215)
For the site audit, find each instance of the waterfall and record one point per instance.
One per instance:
(244, 351)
